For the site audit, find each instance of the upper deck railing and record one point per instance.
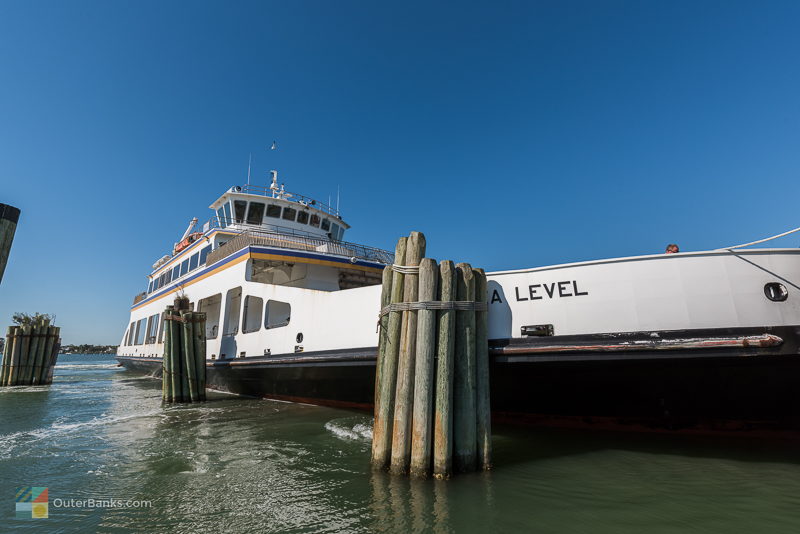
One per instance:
(287, 195)
(297, 241)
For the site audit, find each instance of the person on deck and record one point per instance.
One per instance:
(672, 248)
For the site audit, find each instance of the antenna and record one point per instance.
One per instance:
(249, 162)
(337, 200)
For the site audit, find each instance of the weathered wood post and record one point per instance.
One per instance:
(53, 356)
(39, 356)
(443, 418)
(9, 216)
(403, 401)
(464, 437)
(50, 345)
(384, 408)
(421, 427)
(7, 351)
(482, 405)
(199, 337)
(189, 361)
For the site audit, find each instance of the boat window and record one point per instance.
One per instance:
(335, 231)
(273, 210)
(211, 307)
(168, 276)
(161, 328)
(326, 224)
(193, 261)
(176, 272)
(253, 307)
(289, 213)
(227, 207)
(184, 267)
(278, 314)
(221, 217)
(255, 214)
(140, 331)
(314, 220)
(152, 329)
(302, 217)
(204, 254)
(341, 233)
(162, 280)
(150, 287)
(233, 305)
(129, 341)
(239, 207)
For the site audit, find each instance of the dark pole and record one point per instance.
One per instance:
(9, 215)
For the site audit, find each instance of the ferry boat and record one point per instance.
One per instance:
(693, 340)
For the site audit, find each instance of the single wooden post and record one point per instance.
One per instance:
(39, 356)
(9, 216)
(53, 358)
(421, 427)
(383, 326)
(482, 405)
(403, 401)
(167, 391)
(464, 440)
(443, 418)
(189, 363)
(14, 360)
(384, 410)
(172, 344)
(199, 336)
(50, 344)
(21, 357)
(7, 349)
(26, 370)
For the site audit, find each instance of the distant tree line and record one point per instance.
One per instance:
(88, 349)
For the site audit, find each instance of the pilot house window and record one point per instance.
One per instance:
(314, 220)
(273, 211)
(256, 213)
(289, 213)
(239, 207)
(302, 217)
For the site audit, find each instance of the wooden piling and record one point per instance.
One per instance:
(49, 346)
(9, 216)
(21, 357)
(51, 363)
(421, 427)
(189, 363)
(6, 356)
(39, 356)
(464, 429)
(14, 360)
(199, 338)
(383, 325)
(167, 390)
(384, 409)
(443, 416)
(403, 401)
(26, 370)
(172, 345)
(482, 404)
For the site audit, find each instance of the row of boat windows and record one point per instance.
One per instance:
(186, 266)
(255, 212)
(275, 314)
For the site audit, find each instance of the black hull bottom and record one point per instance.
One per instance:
(750, 389)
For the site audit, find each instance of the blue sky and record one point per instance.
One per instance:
(513, 134)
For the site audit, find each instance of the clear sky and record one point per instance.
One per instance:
(513, 134)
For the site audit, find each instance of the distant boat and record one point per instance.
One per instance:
(704, 339)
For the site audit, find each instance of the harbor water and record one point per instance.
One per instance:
(101, 436)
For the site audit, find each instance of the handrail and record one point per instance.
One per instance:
(305, 243)
(762, 240)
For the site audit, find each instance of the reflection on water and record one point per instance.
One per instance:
(244, 465)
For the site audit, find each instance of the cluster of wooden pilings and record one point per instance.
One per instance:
(183, 374)
(30, 354)
(432, 377)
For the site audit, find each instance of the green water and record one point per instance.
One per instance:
(244, 465)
